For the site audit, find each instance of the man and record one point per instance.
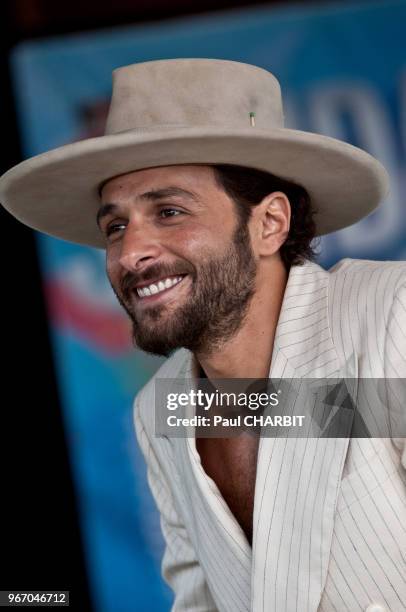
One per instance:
(207, 206)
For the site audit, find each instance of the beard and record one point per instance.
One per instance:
(220, 294)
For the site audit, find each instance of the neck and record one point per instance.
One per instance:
(248, 353)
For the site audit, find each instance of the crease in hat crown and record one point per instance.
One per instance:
(192, 93)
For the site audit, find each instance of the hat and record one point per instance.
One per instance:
(190, 111)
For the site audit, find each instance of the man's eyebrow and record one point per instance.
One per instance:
(105, 210)
(153, 195)
(167, 192)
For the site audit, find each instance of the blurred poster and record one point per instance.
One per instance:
(343, 73)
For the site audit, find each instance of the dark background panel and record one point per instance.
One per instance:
(41, 544)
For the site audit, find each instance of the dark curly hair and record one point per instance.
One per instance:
(248, 186)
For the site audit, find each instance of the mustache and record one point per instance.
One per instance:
(152, 273)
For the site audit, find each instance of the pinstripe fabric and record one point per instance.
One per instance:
(329, 513)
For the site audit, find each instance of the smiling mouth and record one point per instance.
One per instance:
(158, 288)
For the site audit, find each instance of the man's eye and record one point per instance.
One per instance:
(113, 228)
(169, 212)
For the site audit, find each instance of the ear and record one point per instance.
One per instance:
(271, 219)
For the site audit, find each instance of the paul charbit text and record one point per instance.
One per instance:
(249, 420)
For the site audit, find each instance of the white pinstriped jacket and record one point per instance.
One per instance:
(329, 525)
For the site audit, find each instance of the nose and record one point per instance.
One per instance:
(139, 248)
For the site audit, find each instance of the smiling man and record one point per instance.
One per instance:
(177, 226)
(207, 207)
(174, 226)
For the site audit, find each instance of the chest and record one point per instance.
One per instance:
(232, 464)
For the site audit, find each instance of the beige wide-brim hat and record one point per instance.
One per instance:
(190, 111)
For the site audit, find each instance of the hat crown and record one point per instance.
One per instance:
(191, 93)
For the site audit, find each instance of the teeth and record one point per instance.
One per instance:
(161, 285)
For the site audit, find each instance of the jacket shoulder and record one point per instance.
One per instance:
(368, 276)
(144, 401)
(366, 265)
(361, 297)
(366, 283)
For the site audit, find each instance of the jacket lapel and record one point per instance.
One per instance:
(222, 548)
(298, 479)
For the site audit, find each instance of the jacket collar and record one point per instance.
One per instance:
(297, 480)
(303, 319)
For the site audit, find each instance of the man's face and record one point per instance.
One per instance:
(178, 259)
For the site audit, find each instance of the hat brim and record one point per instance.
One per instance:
(57, 192)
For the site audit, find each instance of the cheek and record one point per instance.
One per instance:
(203, 240)
(112, 268)
(197, 248)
